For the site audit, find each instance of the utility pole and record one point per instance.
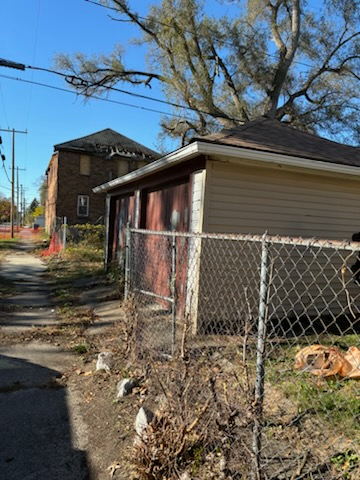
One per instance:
(22, 203)
(12, 175)
(17, 195)
(24, 207)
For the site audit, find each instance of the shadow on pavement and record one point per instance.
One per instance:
(36, 441)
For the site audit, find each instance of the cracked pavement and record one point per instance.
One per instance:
(43, 435)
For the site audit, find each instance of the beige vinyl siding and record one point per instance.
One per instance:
(254, 200)
(305, 284)
(309, 286)
(312, 283)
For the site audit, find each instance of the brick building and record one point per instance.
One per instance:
(79, 165)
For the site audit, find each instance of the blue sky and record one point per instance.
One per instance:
(32, 33)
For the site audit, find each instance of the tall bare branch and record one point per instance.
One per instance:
(269, 58)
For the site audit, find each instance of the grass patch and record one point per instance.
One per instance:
(7, 288)
(75, 263)
(346, 462)
(8, 243)
(335, 400)
(72, 271)
(81, 348)
(76, 271)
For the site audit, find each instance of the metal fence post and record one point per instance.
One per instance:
(64, 232)
(173, 295)
(127, 261)
(260, 361)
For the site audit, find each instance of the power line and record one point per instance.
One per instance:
(8, 77)
(13, 131)
(7, 176)
(72, 79)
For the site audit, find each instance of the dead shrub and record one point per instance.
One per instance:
(196, 426)
(129, 329)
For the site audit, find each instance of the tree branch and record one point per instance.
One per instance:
(286, 55)
(229, 82)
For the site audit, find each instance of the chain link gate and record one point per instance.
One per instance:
(248, 307)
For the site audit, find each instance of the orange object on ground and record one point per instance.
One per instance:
(329, 361)
(353, 357)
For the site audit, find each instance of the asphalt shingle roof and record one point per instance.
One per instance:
(269, 135)
(108, 141)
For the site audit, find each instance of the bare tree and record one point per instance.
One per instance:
(278, 58)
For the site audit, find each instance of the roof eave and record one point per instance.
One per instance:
(174, 158)
(205, 148)
(278, 158)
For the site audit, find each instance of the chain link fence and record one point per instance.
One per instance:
(80, 234)
(267, 333)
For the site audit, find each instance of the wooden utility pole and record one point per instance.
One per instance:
(18, 203)
(12, 176)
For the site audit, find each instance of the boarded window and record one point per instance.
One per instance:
(84, 165)
(123, 167)
(83, 206)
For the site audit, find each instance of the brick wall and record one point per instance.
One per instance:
(71, 184)
(50, 205)
(65, 183)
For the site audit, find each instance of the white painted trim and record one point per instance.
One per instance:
(277, 158)
(107, 230)
(204, 148)
(137, 209)
(208, 176)
(203, 197)
(173, 158)
(198, 179)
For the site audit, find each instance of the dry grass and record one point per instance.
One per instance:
(203, 400)
(205, 412)
(194, 428)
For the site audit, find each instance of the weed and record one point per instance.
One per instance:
(80, 348)
(346, 462)
(63, 296)
(176, 440)
(8, 244)
(115, 274)
(347, 341)
(86, 235)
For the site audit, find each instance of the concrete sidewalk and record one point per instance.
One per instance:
(30, 306)
(43, 435)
